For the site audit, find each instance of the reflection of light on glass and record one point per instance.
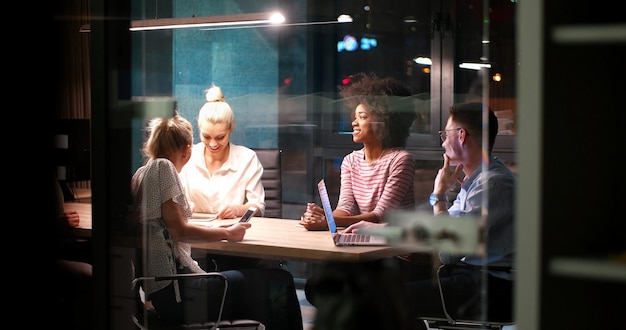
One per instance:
(497, 77)
(343, 18)
(277, 18)
(229, 21)
(474, 66)
(597, 33)
(367, 43)
(350, 43)
(423, 60)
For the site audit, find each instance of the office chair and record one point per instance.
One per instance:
(272, 181)
(496, 319)
(146, 318)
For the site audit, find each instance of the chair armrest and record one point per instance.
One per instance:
(136, 287)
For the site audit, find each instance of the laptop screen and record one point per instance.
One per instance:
(328, 210)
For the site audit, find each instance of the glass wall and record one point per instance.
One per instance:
(281, 80)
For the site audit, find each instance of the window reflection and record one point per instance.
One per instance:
(282, 82)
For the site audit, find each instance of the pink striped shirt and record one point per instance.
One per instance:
(377, 187)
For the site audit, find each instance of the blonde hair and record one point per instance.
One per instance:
(216, 110)
(166, 136)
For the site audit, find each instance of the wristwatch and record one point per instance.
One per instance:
(436, 198)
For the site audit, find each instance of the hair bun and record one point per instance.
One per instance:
(214, 94)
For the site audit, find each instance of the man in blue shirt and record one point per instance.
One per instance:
(485, 181)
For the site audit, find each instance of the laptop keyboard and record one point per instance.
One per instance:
(355, 238)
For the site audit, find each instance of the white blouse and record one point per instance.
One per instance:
(236, 182)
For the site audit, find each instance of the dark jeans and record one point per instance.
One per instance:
(265, 295)
(359, 296)
(376, 295)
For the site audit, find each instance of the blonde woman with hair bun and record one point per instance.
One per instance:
(222, 178)
(214, 94)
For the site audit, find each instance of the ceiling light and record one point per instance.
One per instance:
(206, 21)
(344, 18)
(201, 22)
(341, 19)
(423, 60)
(474, 66)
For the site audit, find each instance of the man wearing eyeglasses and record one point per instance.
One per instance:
(482, 179)
(492, 182)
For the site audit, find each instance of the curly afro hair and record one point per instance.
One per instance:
(386, 98)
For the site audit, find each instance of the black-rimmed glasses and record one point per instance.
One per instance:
(443, 135)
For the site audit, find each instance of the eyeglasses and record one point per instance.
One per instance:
(443, 135)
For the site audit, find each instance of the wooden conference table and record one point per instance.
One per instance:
(270, 238)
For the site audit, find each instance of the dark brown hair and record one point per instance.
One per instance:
(470, 117)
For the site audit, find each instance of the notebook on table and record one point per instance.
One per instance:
(348, 238)
(203, 219)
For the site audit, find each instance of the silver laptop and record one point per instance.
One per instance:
(344, 239)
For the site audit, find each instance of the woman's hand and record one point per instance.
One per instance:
(237, 231)
(71, 218)
(355, 227)
(228, 212)
(313, 218)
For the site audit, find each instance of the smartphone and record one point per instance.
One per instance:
(246, 216)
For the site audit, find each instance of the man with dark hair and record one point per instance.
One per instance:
(480, 178)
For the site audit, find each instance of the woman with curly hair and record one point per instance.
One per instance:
(379, 176)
